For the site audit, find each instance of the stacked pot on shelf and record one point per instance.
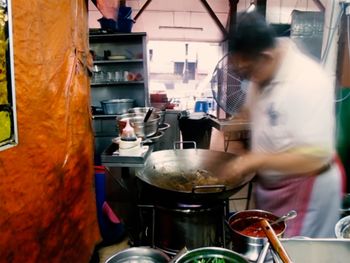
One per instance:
(147, 122)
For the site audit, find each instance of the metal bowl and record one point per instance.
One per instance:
(142, 129)
(209, 254)
(342, 228)
(139, 255)
(144, 110)
(116, 106)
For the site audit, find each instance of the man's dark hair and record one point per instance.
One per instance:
(251, 35)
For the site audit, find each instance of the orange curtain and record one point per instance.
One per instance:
(47, 204)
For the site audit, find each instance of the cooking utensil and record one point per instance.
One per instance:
(139, 254)
(342, 228)
(116, 106)
(142, 129)
(148, 114)
(179, 254)
(191, 225)
(144, 110)
(173, 174)
(274, 241)
(290, 215)
(263, 253)
(210, 254)
(251, 246)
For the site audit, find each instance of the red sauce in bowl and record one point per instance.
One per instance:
(251, 227)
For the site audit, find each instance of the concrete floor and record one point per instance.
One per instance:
(238, 201)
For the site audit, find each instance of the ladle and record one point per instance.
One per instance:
(148, 114)
(290, 215)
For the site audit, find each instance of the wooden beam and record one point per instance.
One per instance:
(320, 6)
(142, 9)
(215, 18)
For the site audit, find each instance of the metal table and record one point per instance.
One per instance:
(234, 130)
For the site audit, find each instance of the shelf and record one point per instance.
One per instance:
(116, 83)
(136, 60)
(116, 55)
(116, 37)
(104, 116)
(109, 159)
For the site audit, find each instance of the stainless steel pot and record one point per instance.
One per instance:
(142, 129)
(173, 174)
(116, 106)
(342, 228)
(139, 255)
(209, 254)
(144, 110)
(188, 225)
(250, 245)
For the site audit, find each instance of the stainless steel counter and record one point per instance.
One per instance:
(317, 250)
(228, 125)
(234, 130)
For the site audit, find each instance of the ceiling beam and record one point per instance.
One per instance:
(215, 18)
(142, 9)
(320, 6)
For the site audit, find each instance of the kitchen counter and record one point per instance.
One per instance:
(229, 125)
(233, 129)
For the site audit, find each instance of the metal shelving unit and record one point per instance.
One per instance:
(117, 56)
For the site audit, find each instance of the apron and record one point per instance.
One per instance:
(316, 198)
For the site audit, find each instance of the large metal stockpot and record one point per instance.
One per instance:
(170, 175)
(187, 225)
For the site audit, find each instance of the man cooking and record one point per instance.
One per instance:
(290, 103)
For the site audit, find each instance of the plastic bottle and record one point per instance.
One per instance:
(128, 133)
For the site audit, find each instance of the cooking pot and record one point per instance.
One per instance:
(247, 242)
(209, 254)
(141, 128)
(187, 225)
(144, 110)
(116, 106)
(139, 255)
(342, 228)
(187, 175)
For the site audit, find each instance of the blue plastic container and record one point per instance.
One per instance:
(125, 21)
(201, 106)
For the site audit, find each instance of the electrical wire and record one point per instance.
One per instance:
(348, 46)
(348, 33)
(341, 100)
(328, 37)
(331, 36)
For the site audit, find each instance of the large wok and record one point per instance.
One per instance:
(173, 175)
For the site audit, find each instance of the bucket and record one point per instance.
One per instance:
(124, 21)
(201, 106)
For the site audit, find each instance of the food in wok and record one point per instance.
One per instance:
(185, 181)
